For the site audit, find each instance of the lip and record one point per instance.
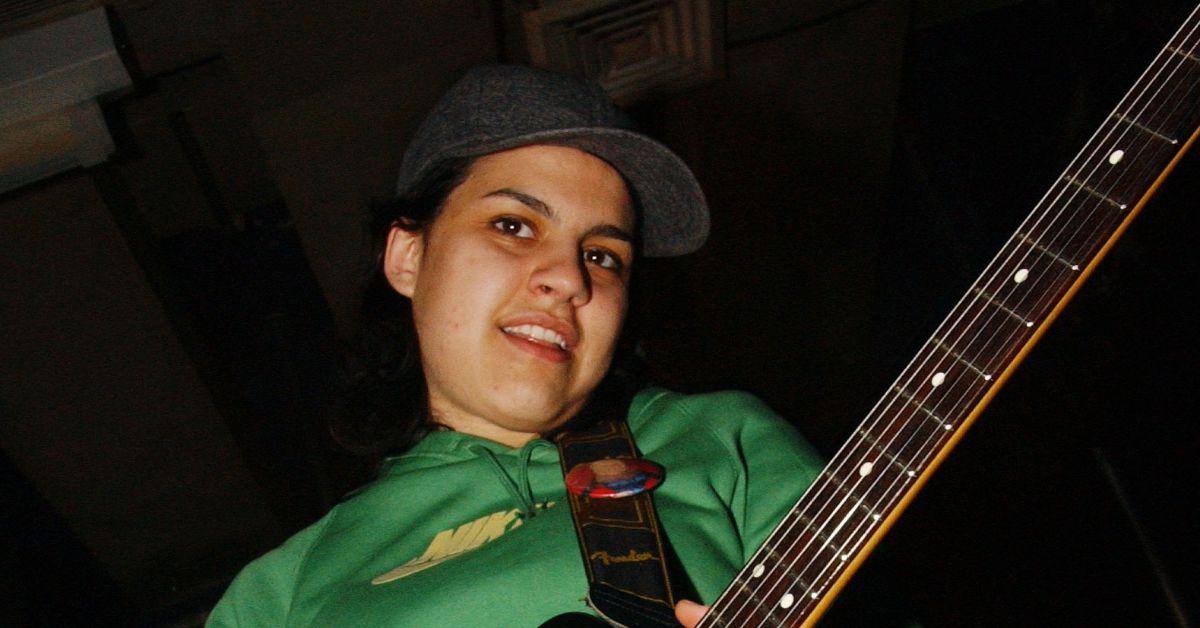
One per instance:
(545, 352)
(548, 352)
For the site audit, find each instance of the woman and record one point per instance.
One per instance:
(523, 201)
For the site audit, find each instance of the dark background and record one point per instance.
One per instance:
(168, 318)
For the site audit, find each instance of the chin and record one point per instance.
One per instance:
(535, 409)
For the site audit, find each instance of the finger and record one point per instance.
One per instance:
(688, 612)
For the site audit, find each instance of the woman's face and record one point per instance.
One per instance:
(519, 288)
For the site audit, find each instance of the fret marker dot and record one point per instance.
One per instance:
(1029, 323)
(987, 378)
(1021, 275)
(845, 557)
(865, 469)
(1074, 266)
(787, 600)
(937, 380)
(875, 516)
(1116, 157)
(758, 571)
(813, 595)
(948, 427)
(911, 473)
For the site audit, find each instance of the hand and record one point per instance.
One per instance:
(688, 612)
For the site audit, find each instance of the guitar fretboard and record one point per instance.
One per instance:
(926, 410)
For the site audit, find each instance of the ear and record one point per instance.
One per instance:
(402, 259)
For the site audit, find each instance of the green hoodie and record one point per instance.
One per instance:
(464, 531)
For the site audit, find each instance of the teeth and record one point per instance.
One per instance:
(537, 332)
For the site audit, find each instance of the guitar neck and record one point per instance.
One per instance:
(813, 552)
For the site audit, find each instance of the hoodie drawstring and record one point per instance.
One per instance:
(523, 498)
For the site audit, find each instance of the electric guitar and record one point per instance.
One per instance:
(813, 552)
(796, 574)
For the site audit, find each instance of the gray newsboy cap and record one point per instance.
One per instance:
(498, 107)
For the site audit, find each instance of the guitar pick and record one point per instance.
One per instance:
(611, 478)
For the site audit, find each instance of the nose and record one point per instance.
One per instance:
(562, 275)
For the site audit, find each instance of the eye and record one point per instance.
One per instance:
(513, 227)
(603, 259)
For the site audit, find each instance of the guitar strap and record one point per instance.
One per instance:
(624, 551)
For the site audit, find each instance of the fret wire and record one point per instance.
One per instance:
(1146, 129)
(1095, 150)
(1175, 100)
(838, 509)
(786, 585)
(1106, 228)
(759, 559)
(835, 552)
(1097, 228)
(839, 554)
(1168, 123)
(855, 544)
(892, 457)
(896, 480)
(1102, 227)
(1093, 205)
(1106, 225)
(775, 588)
(910, 437)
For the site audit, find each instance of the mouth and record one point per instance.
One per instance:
(537, 334)
(542, 336)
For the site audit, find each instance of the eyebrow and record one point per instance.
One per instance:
(537, 205)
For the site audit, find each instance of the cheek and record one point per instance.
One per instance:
(439, 311)
(466, 296)
(608, 315)
(446, 315)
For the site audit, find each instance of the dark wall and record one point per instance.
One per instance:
(846, 226)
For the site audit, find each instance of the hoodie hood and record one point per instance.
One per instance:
(507, 466)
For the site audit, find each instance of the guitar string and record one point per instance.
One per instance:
(1048, 298)
(910, 437)
(943, 398)
(1106, 224)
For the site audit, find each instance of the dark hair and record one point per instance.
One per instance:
(382, 406)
